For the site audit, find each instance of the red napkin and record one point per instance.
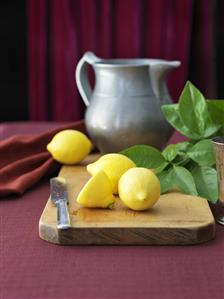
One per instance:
(24, 160)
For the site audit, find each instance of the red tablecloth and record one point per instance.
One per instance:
(32, 268)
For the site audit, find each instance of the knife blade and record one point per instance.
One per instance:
(59, 197)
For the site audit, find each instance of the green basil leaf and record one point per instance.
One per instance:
(183, 146)
(172, 115)
(183, 180)
(194, 112)
(193, 109)
(145, 156)
(181, 161)
(210, 128)
(173, 150)
(206, 182)
(165, 181)
(160, 168)
(202, 153)
(216, 110)
(170, 152)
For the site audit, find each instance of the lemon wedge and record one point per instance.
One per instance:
(97, 192)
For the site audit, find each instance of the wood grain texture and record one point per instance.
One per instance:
(176, 219)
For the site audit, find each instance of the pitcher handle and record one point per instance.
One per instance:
(81, 75)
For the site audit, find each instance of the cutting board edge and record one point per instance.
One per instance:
(127, 236)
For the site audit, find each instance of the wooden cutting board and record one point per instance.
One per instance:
(176, 219)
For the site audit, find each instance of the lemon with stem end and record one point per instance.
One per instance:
(139, 188)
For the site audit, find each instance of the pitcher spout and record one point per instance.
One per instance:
(158, 70)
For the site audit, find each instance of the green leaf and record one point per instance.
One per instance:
(211, 128)
(194, 112)
(165, 181)
(145, 156)
(216, 110)
(172, 150)
(193, 109)
(181, 161)
(177, 177)
(202, 153)
(172, 115)
(206, 182)
(190, 165)
(183, 146)
(160, 168)
(183, 180)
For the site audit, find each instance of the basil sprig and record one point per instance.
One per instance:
(187, 166)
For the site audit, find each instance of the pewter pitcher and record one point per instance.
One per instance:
(123, 109)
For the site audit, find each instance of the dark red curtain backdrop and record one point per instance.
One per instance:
(59, 32)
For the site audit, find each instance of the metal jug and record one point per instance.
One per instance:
(123, 109)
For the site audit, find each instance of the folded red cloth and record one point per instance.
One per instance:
(24, 160)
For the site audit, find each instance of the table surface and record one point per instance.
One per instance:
(32, 268)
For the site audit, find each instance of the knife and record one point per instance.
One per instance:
(59, 197)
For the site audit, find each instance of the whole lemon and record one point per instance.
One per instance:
(139, 188)
(69, 146)
(114, 165)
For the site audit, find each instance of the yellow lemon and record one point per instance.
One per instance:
(97, 192)
(139, 188)
(114, 166)
(69, 146)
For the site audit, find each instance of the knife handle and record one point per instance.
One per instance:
(63, 215)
